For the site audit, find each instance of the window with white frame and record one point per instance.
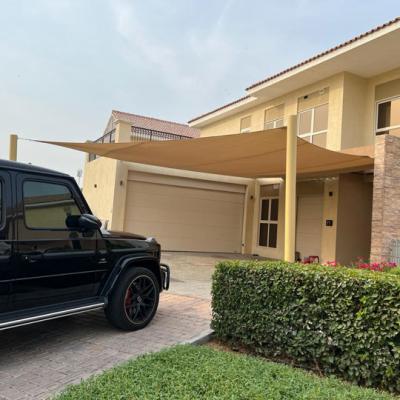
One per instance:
(268, 227)
(245, 124)
(273, 117)
(313, 124)
(388, 116)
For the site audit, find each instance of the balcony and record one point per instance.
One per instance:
(144, 135)
(138, 135)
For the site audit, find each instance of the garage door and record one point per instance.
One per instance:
(185, 216)
(309, 225)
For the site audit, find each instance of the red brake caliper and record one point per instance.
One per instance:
(128, 298)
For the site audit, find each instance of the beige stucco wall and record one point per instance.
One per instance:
(99, 186)
(334, 84)
(105, 184)
(352, 108)
(353, 130)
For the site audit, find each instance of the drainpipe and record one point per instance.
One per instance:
(290, 189)
(13, 147)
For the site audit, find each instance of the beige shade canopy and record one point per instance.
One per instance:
(250, 155)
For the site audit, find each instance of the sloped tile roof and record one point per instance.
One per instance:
(155, 124)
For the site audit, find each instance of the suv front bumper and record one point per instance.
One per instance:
(165, 276)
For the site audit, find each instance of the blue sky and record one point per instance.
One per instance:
(65, 64)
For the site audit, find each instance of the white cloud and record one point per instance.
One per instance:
(193, 62)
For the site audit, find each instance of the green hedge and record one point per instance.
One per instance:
(343, 321)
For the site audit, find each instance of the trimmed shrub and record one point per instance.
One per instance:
(340, 320)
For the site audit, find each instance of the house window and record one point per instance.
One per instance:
(313, 125)
(245, 124)
(273, 117)
(268, 229)
(388, 117)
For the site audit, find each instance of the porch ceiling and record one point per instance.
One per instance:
(251, 155)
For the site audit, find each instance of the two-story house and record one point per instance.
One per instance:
(346, 99)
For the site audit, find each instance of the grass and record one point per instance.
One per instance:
(200, 372)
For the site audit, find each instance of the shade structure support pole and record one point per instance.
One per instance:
(290, 189)
(13, 146)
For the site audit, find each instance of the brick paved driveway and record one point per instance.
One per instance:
(39, 360)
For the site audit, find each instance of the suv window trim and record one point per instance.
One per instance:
(54, 182)
(2, 219)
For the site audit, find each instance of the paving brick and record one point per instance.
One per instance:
(67, 350)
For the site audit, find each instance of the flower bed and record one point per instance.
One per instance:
(339, 320)
(371, 266)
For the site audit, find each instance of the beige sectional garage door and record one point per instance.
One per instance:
(184, 214)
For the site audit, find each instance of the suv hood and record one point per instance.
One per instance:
(121, 235)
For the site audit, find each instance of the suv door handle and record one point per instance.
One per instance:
(32, 258)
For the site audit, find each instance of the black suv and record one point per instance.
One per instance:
(56, 261)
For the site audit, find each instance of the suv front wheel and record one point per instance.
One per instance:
(134, 301)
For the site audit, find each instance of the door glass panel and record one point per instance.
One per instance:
(321, 118)
(263, 239)
(279, 123)
(264, 210)
(47, 205)
(320, 140)
(274, 210)
(305, 122)
(273, 234)
(384, 115)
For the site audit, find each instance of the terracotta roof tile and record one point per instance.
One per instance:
(141, 121)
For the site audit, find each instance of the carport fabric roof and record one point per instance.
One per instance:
(250, 155)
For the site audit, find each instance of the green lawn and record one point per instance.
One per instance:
(199, 372)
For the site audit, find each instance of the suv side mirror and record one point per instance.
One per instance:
(89, 222)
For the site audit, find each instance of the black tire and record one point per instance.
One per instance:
(134, 300)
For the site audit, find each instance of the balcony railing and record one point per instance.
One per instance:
(143, 135)
(138, 135)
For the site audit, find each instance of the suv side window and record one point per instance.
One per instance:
(47, 205)
(1, 203)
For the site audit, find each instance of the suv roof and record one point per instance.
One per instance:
(17, 166)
